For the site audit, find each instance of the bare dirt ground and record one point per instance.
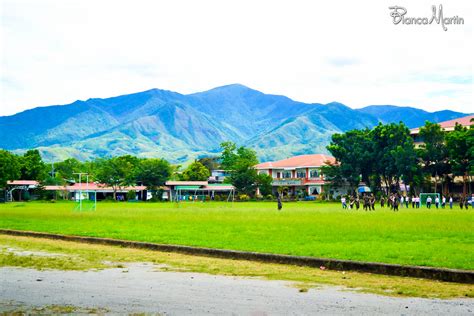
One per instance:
(141, 288)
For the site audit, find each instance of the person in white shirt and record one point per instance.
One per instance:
(343, 201)
(428, 202)
(437, 202)
(451, 202)
(401, 201)
(443, 202)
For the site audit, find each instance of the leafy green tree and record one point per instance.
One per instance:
(240, 163)
(264, 183)
(116, 172)
(65, 169)
(228, 156)
(394, 156)
(153, 173)
(32, 166)
(195, 172)
(9, 167)
(470, 146)
(211, 163)
(433, 152)
(459, 145)
(354, 152)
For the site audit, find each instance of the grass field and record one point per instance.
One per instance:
(440, 238)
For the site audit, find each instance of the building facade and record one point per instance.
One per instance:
(298, 175)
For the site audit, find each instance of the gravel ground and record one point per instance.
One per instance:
(141, 289)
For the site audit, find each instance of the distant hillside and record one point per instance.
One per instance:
(160, 123)
(410, 116)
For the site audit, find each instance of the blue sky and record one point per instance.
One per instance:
(55, 52)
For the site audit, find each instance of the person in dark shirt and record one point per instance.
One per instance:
(395, 203)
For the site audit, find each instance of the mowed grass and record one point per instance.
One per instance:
(438, 238)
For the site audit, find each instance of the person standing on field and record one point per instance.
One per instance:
(451, 202)
(443, 202)
(428, 202)
(343, 201)
(402, 200)
(395, 204)
(351, 202)
(280, 206)
(413, 201)
(461, 202)
(437, 202)
(357, 202)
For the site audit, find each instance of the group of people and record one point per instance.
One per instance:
(396, 201)
(368, 202)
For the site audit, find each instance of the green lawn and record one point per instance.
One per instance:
(441, 238)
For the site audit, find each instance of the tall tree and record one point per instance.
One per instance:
(354, 151)
(65, 169)
(394, 156)
(116, 172)
(433, 151)
(459, 145)
(153, 173)
(195, 172)
(240, 162)
(32, 166)
(211, 163)
(9, 167)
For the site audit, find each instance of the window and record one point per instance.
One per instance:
(301, 174)
(286, 174)
(314, 173)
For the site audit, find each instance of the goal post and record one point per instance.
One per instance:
(424, 196)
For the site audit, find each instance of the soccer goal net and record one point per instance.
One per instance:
(424, 197)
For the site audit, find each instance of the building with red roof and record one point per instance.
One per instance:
(447, 126)
(298, 174)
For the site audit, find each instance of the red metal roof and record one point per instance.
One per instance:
(449, 125)
(316, 160)
(23, 182)
(200, 183)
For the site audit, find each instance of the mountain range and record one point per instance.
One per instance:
(178, 127)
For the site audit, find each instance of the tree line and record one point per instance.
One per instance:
(127, 170)
(383, 156)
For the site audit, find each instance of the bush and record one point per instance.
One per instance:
(109, 199)
(131, 195)
(269, 197)
(244, 197)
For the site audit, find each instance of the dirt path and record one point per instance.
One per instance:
(140, 288)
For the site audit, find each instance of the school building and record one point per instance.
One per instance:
(298, 174)
(447, 126)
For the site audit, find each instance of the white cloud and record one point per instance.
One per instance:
(54, 52)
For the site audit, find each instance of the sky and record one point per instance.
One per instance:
(56, 52)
